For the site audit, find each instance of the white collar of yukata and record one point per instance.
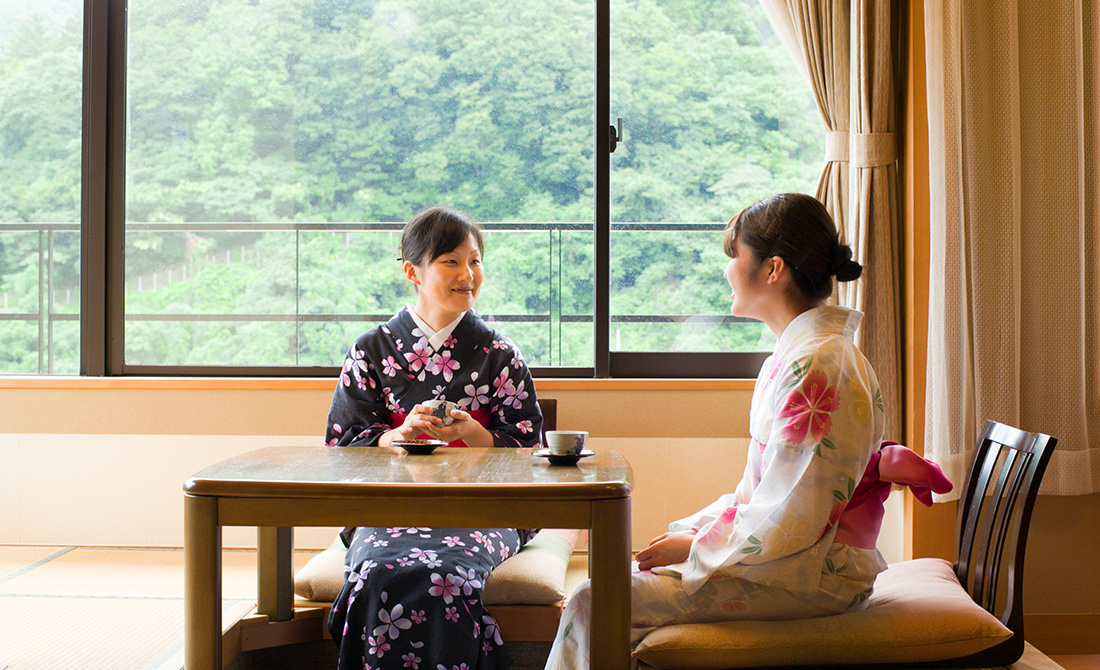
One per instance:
(435, 338)
(831, 319)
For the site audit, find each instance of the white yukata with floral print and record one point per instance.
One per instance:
(766, 551)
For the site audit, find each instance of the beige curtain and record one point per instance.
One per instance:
(1014, 322)
(847, 50)
(816, 35)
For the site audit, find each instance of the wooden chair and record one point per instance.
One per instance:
(974, 620)
(994, 515)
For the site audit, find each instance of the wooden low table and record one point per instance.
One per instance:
(277, 488)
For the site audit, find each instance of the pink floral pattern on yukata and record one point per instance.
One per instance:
(810, 408)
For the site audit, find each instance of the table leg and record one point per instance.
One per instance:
(274, 574)
(609, 547)
(202, 594)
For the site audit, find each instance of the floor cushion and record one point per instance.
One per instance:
(534, 576)
(918, 612)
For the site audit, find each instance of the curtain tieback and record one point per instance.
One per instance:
(862, 150)
(874, 149)
(836, 146)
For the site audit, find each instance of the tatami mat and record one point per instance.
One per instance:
(121, 609)
(14, 560)
(117, 609)
(136, 573)
(87, 633)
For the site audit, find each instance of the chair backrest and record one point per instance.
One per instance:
(549, 407)
(994, 515)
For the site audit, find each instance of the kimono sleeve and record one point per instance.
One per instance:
(358, 415)
(821, 437)
(516, 419)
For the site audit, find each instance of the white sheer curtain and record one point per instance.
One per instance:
(1014, 303)
(847, 50)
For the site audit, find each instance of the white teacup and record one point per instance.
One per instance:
(566, 442)
(442, 409)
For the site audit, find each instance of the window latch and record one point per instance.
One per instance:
(616, 134)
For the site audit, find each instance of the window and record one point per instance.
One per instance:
(40, 117)
(259, 158)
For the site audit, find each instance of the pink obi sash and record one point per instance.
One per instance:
(861, 519)
(482, 416)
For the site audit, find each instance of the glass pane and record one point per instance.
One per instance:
(715, 117)
(276, 148)
(41, 61)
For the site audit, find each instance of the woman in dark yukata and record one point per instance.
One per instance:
(411, 596)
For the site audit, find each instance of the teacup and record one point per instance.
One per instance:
(442, 409)
(566, 442)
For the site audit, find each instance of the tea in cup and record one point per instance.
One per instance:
(566, 442)
(442, 409)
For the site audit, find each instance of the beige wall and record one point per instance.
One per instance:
(104, 463)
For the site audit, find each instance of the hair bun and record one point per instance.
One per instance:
(843, 266)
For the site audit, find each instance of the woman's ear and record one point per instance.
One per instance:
(410, 273)
(778, 268)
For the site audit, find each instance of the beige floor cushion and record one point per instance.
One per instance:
(918, 612)
(534, 576)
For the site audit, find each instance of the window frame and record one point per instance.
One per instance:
(103, 231)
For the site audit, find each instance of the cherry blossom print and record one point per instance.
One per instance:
(443, 363)
(525, 426)
(345, 378)
(390, 366)
(417, 616)
(391, 401)
(515, 395)
(335, 428)
(443, 587)
(450, 342)
(392, 622)
(451, 614)
(453, 541)
(411, 660)
(470, 581)
(476, 396)
(378, 646)
(500, 344)
(810, 408)
(438, 392)
(420, 356)
(501, 382)
(398, 531)
(492, 630)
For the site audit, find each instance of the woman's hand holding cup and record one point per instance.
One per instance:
(442, 420)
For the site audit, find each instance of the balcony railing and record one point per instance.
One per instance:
(56, 302)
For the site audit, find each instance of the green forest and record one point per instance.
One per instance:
(262, 134)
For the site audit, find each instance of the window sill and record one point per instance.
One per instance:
(326, 384)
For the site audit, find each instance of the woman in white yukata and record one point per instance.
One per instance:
(412, 596)
(770, 549)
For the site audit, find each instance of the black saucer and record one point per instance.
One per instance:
(563, 459)
(419, 447)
